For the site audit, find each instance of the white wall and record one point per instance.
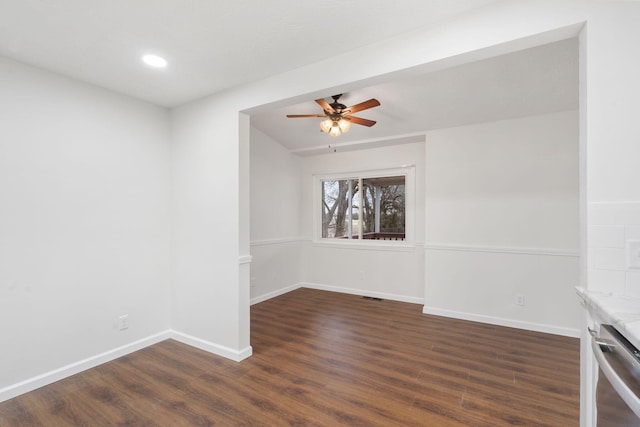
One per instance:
(275, 189)
(610, 100)
(208, 287)
(276, 238)
(502, 219)
(84, 222)
(373, 270)
(512, 183)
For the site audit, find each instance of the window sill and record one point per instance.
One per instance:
(372, 245)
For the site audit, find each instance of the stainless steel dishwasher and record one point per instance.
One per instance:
(618, 390)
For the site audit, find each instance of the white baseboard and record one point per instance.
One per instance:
(339, 289)
(274, 294)
(31, 384)
(74, 368)
(217, 349)
(77, 367)
(366, 293)
(529, 326)
(499, 321)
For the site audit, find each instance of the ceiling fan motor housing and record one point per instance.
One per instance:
(338, 107)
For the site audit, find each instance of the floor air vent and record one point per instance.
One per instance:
(373, 298)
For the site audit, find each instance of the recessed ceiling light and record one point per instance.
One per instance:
(154, 61)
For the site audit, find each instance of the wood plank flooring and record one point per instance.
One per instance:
(328, 359)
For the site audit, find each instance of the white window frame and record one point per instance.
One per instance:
(408, 171)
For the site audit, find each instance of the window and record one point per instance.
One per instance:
(366, 207)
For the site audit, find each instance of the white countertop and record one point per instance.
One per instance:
(620, 311)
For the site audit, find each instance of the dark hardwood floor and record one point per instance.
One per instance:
(328, 359)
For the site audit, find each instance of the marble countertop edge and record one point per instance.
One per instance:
(620, 311)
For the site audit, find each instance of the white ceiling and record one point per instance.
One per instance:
(210, 44)
(534, 81)
(213, 45)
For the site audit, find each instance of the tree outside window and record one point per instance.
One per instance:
(370, 208)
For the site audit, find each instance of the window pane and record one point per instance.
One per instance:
(335, 205)
(384, 208)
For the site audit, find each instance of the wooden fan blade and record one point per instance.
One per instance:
(325, 105)
(360, 121)
(300, 116)
(363, 106)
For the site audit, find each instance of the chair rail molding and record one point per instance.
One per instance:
(503, 249)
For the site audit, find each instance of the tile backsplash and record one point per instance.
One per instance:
(610, 226)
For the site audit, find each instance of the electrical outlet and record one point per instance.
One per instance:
(519, 299)
(361, 274)
(633, 254)
(123, 322)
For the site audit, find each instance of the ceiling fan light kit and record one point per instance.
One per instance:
(338, 116)
(325, 125)
(335, 127)
(335, 131)
(344, 125)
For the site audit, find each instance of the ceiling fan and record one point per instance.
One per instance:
(339, 116)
